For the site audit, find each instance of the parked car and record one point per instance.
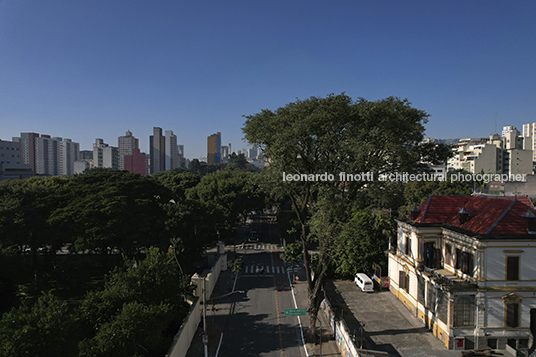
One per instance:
(364, 283)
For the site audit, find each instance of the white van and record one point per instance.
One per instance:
(364, 282)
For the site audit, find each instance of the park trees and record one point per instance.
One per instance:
(329, 136)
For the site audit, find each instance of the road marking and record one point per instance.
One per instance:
(299, 321)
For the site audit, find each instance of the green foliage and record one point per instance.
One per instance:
(113, 210)
(362, 241)
(332, 135)
(134, 331)
(236, 265)
(178, 183)
(292, 253)
(136, 306)
(230, 193)
(47, 329)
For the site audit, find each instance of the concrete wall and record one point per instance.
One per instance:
(183, 338)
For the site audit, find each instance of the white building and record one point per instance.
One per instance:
(172, 160)
(49, 156)
(465, 266)
(507, 154)
(126, 144)
(10, 162)
(105, 156)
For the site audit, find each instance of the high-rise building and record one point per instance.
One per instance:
(529, 133)
(135, 162)
(105, 156)
(49, 156)
(126, 144)
(172, 151)
(214, 148)
(157, 147)
(10, 161)
(252, 154)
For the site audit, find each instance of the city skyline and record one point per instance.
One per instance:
(84, 70)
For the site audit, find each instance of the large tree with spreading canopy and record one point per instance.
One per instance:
(328, 136)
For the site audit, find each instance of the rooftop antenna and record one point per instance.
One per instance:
(496, 123)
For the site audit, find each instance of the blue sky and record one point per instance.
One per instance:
(95, 68)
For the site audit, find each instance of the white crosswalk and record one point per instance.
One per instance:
(268, 269)
(260, 246)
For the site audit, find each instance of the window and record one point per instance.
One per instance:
(429, 255)
(407, 247)
(448, 254)
(420, 289)
(464, 311)
(465, 262)
(430, 298)
(403, 280)
(512, 268)
(512, 315)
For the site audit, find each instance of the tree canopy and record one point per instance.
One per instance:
(334, 135)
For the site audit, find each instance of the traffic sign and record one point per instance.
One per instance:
(295, 312)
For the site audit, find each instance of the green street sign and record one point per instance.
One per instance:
(295, 312)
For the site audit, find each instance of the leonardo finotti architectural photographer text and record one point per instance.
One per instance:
(404, 177)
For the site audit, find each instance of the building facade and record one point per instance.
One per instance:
(126, 144)
(48, 155)
(172, 151)
(157, 147)
(10, 162)
(105, 156)
(508, 154)
(464, 265)
(214, 148)
(135, 162)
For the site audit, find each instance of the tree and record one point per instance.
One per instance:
(178, 183)
(104, 210)
(138, 303)
(45, 329)
(292, 253)
(229, 192)
(328, 136)
(236, 265)
(362, 241)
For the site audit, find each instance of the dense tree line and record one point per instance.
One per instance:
(159, 224)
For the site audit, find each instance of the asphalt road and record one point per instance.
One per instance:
(256, 325)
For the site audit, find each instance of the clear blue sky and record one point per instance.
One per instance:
(86, 69)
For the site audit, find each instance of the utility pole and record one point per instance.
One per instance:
(205, 336)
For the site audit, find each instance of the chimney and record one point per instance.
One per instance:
(463, 215)
(529, 219)
(414, 213)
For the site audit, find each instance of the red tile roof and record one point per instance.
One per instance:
(487, 215)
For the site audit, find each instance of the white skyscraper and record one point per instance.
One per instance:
(126, 144)
(172, 151)
(105, 156)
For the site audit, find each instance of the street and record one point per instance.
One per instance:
(256, 325)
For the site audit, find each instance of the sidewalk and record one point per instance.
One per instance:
(329, 345)
(216, 318)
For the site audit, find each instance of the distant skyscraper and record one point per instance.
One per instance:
(157, 146)
(49, 156)
(529, 132)
(105, 156)
(252, 154)
(214, 148)
(10, 161)
(224, 153)
(172, 151)
(126, 144)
